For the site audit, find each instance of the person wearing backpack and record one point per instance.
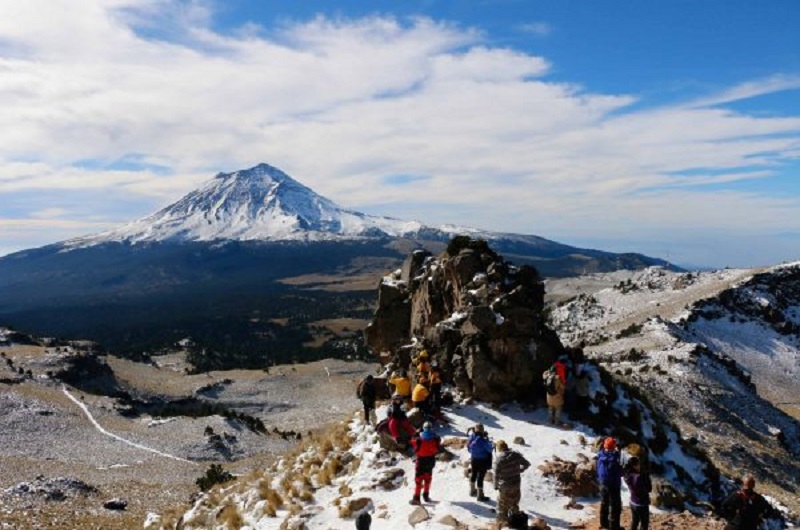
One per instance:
(639, 484)
(745, 509)
(420, 397)
(426, 445)
(609, 476)
(366, 393)
(555, 387)
(508, 468)
(480, 451)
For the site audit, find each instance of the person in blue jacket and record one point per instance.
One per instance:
(609, 476)
(480, 451)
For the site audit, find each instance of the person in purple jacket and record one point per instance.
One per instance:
(639, 485)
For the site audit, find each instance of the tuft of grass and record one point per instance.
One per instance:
(230, 516)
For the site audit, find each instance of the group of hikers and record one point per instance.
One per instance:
(744, 509)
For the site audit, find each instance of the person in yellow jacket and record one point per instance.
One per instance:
(423, 365)
(436, 387)
(402, 385)
(420, 396)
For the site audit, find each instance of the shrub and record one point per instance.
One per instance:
(214, 475)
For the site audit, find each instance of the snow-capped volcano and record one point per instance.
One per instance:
(261, 203)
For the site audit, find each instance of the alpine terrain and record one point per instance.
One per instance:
(253, 266)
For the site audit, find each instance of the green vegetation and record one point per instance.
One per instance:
(215, 474)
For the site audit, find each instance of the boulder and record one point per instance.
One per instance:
(419, 515)
(481, 318)
(574, 479)
(115, 504)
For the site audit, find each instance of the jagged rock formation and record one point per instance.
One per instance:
(478, 315)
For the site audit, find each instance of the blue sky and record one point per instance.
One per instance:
(668, 128)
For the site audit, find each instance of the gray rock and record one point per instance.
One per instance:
(419, 515)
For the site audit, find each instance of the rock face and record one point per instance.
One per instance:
(479, 316)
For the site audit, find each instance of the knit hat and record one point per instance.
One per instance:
(610, 444)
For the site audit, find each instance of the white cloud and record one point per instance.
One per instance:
(342, 104)
(539, 28)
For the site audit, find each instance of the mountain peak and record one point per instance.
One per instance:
(260, 203)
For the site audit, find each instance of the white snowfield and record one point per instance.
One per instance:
(449, 492)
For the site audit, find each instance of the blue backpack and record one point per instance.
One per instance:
(609, 470)
(480, 447)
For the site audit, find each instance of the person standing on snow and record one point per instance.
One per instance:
(640, 486)
(745, 509)
(555, 386)
(426, 445)
(508, 468)
(609, 475)
(421, 397)
(366, 392)
(480, 452)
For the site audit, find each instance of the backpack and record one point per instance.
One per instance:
(551, 382)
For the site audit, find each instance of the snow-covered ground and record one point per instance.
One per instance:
(449, 492)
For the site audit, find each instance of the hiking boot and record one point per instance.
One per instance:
(426, 497)
(481, 496)
(415, 501)
(472, 490)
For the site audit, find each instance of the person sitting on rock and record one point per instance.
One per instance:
(639, 484)
(426, 445)
(609, 476)
(366, 392)
(400, 427)
(508, 469)
(480, 451)
(402, 385)
(745, 509)
(420, 395)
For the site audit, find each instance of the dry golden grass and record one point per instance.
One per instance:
(231, 517)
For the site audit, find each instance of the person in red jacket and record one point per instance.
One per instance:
(426, 445)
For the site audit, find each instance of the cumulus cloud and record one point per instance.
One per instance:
(348, 105)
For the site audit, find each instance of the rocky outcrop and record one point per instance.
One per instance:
(478, 315)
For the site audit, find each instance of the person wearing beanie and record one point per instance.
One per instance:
(508, 468)
(480, 452)
(426, 445)
(609, 476)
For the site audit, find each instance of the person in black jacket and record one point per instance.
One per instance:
(366, 392)
(745, 509)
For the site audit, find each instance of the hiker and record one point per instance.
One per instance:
(366, 392)
(423, 365)
(402, 385)
(582, 399)
(426, 445)
(745, 509)
(363, 521)
(555, 386)
(639, 484)
(420, 395)
(609, 476)
(508, 468)
(400, 427)
(480, 452)
(436, 387)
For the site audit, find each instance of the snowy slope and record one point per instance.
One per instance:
(390, 509)
(262, 203)
(706, 349)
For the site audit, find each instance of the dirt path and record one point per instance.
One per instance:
(120, 438)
